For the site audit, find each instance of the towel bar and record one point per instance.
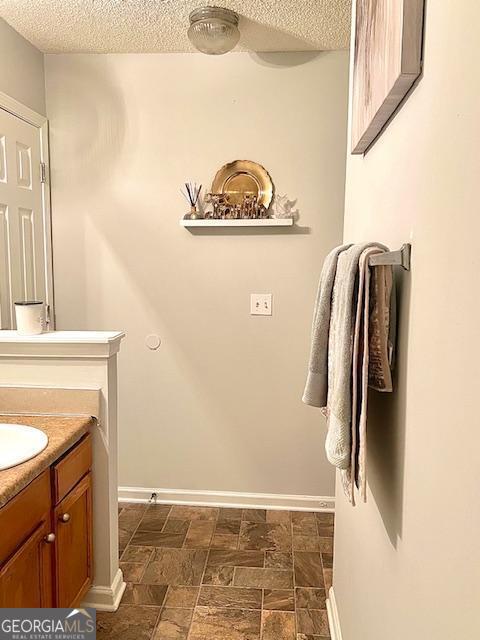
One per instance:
(399, 258)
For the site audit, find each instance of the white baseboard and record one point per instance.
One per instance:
(106, 598)
(228, 499)
(333, 619)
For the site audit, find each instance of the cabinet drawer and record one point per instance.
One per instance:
(23, 514)
(71, 468)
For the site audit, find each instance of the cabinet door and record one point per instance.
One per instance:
(73, 528)
(26, 579)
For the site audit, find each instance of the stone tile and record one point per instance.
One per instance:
(134, 506)
(199, 534)
(304, 523)
(132, 571)
(230, 598)
(147, 594)
(306, 542)
(278, 625)
(221, 576)
(326, 545)
(309, 636)
(184, 512)
(325, 519)
(328, 578)
(128, 623)
(278, 517)
(279, 560)
(279, 599)
(263, 578)
(254, 515)
(181, 597)
(182, 567)
(308, 569)
(304, 517)
(310, 598)
(145, 538)
(210, 623)
(326, 531)
(227, 514)
(327, 560)
(174, 624)
(157, 539)
(124, 537)
(226, 558)
(152, 521)
(161, 510)
(137, 554)
(129, 519)
(262, 535)
(313, 621)
(228, 526)
(224, 541)
(175, 526)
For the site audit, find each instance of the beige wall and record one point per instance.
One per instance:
(21, 69)
(407, 564)
(218, 406)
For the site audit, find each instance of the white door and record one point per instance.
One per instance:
(25, 260)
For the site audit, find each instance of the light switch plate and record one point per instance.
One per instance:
(260, 304)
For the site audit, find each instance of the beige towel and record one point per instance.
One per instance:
(360, 360)
(374, 323)
(378, 327)
(340, 352)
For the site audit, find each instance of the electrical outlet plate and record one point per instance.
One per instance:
(260, 304)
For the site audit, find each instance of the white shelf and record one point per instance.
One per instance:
(263, 222)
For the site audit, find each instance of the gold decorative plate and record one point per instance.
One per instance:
(242, 177)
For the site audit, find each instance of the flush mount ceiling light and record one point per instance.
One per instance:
(213, 30)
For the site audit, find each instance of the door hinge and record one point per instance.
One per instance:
(48, 318)
(43, 172)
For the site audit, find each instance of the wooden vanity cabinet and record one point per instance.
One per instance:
(46, 536)
(73, 544)
(26, 556)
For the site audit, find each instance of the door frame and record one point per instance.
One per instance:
(21, 111)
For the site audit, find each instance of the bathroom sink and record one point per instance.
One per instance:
(19, 443)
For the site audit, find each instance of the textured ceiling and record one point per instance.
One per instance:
(60, 26)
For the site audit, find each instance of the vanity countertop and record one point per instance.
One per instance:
(62, 431)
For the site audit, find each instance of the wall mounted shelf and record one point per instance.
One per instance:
(264, 222)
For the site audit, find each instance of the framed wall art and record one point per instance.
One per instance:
(387, 62)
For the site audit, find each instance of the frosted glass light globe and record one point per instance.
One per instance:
(213, 30)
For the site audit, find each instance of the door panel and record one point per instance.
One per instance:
(26, 579)
(22, 224)
(73, 528)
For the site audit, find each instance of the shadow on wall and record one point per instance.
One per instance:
(386, 428)
(249, 231)
(279, 60)
(88, 135)
(292, 45)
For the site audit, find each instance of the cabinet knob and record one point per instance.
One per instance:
(50, 538)
(65, 517)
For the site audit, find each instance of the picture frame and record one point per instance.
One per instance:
(387, 43)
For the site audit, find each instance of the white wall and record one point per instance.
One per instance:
(21, 69)
(407, 564)
(218, 406)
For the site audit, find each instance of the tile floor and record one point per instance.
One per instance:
(201, 573)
